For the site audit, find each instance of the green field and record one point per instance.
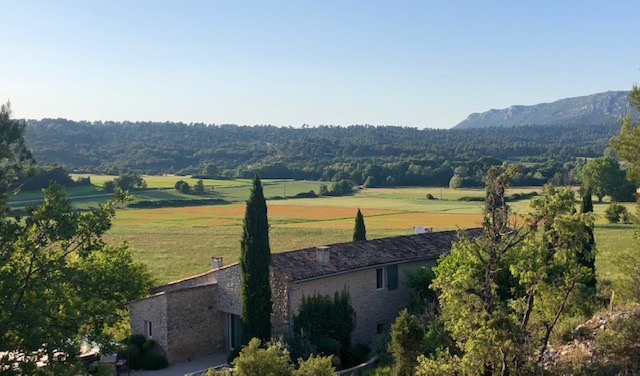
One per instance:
(178, 242)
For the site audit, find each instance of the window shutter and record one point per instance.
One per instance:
(392, 277)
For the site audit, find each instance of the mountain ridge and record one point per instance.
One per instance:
(593, 109)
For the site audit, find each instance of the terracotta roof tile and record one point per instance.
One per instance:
(302, 263)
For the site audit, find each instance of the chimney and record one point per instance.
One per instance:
(216, 262)
(322, 255)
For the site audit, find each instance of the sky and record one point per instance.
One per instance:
(288, 63)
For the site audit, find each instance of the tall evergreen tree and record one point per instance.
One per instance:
(255, 258)
(587, 257)
(359, 231)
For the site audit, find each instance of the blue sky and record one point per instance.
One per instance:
(288, 63)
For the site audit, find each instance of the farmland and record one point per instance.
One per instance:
(178, 241)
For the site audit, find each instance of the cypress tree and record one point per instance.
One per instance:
(255, 257)
(359, 231)
(587, 204)
(587, 257)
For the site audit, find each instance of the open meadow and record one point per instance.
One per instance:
(177, 242)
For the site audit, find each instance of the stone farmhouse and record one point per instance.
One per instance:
(201, 314)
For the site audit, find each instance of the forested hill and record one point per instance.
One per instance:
(292, 152)
(600, 108)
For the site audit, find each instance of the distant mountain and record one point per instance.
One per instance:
(601, 108)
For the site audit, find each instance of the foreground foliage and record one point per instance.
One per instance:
(502, 293)
(60, 284)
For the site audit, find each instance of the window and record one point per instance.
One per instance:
(392, 277)
(379, 278)
(148, 332)
(380, 328)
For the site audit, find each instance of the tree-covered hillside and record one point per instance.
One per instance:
(325, 152)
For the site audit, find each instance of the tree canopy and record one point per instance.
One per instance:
(501, 294)
(60, 283)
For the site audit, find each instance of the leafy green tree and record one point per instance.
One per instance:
(626, 142)
(406, 343)
(182, 187)
(270, 361)
(15, 157)
(455, 182)
(502, 293)
(359, 231)
(109, 186)
(199, 187)
(255, 258)
(60, 283)
(602, 176)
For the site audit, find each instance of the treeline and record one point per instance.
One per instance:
(383, 156)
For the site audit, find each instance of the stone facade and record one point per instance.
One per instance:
(195, 326)
(194, 316)
(185, 323)
(229, 281)
(151, 309)
(373, 306)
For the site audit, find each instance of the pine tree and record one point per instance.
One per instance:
(255, 257)
(587, 204)
(359, 231)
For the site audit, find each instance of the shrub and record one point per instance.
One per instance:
(380, 347)
(255, 360)
(471, 198)
(322, 317)
(619, 345)
(140, 353)
(109, 186)
(614, 212)
(153, 361)
(406, 343)
(430, 196)
(315, 366)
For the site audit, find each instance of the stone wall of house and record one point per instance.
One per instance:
(229, 280)
(280, 309)
(195, 326)
(152, 309)
(206, 278)
(372, 306)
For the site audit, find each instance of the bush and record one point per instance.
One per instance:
(430, 196)
(619, 345)
(322, 318)
(357, 355)
(315, 366)
(615, 212)
(182, 187)
(255, 360)
(310, 194)
(109, 186)
(140, 353)
(154, 361)
(406, 343)
(471, 198)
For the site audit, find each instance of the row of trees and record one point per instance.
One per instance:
(387, 155)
